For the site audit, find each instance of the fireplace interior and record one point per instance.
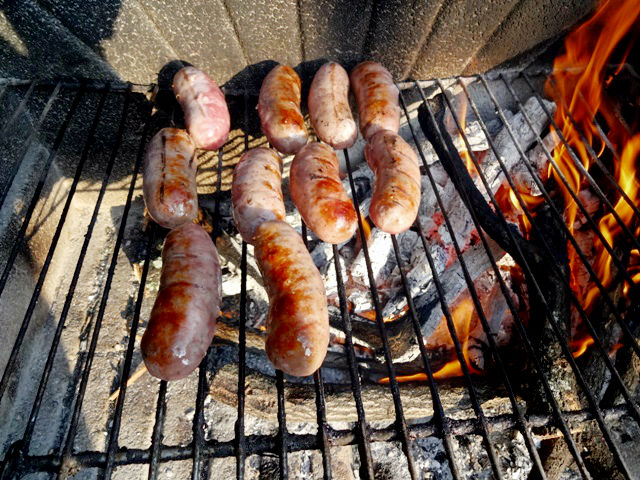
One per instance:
(497, 338)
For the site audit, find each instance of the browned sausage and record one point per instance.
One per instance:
(183, 318)
(329, 109)
(205, 109)
(256, 191)
(279, 109)
(396, 194)
(298, 321)
(319, 195)
(169, 178)
(377, 96)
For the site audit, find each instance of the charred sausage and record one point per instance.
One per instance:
(298, 321)
(318, 193)
(183, 318)
(205, 110)
(279, 109)
(256, 191)
(377, 97)
(396, 194)
(329, 109)
(169, 178)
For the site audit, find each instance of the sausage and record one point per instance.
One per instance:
(183, 318)
(298, 321)
(169, 178)
(206, 114)
(318, 193)
(256, 191)
(396, 193)
(279, 109)
(329, 109)
(377, 97)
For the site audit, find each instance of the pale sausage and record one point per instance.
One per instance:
(279, 109)
(256, 191)
(329, 109)
(169, 178)
(396, 193)
(298, 321)
(318, 193)
(183, 318)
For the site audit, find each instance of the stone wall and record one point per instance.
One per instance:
(133, 39)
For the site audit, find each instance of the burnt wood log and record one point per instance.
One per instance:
(553, 298)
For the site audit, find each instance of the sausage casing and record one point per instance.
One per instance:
(396, 193)
(298, 321)
(256, 191)
(169, 178)
(183, 318)
(318, 193)
(329, 109)
(279, 109)
(377, 97)
(206, 114)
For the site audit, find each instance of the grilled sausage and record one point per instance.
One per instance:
(329, 109)
(396, 194)
(318, 193)
(183, 318)
(256, 191)
(205, 109)
(377, 97)
(169, 178)
(298, 321)
(279, 109)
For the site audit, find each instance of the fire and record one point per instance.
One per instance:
(462, 118)
(462, 316)
(578, 86)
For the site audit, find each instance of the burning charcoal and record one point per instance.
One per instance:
(505, 146)
(539, 162)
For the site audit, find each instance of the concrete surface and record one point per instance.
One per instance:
(134, 39)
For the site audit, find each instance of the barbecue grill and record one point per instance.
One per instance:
(96, 132)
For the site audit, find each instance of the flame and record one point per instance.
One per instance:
(462, 315)
(462, 118)
(578, 86)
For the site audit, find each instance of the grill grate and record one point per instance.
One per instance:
(19, 461)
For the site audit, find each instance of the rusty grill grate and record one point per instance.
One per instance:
(64, 459)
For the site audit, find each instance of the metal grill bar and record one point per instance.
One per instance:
(401, 423)
(362, 428)
(265, 444)
(604, 354)
(18, 241)
(156, 438)
(321, 414)
(629, 337)
(523, 333)
(563, 345)
(594, 185)
(36, 197)
(67, 305)
(521, 421)
(28, 142)
(19, 109)
(241, 446)
(441, 426)
(283, 435)
(86, 369)
(112, 444)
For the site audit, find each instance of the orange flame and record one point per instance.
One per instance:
(578, 87)
(462, 315)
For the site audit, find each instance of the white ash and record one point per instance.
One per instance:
(539, 162)
(505, 146)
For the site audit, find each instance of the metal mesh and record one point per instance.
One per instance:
(18, 460)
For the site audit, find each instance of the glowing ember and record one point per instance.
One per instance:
(578, 87)
(462, 315)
